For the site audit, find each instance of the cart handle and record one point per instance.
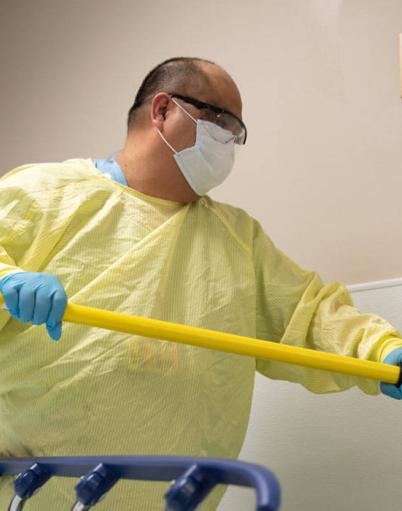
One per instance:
(148, 468)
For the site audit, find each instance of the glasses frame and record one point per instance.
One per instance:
(217, 109)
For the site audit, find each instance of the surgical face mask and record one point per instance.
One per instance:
(210, 160)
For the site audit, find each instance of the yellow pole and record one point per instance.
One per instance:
(221, 341)
(163, 330)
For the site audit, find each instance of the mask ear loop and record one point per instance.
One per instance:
(185, 111)
(166, 142)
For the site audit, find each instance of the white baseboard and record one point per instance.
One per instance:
(379, 284)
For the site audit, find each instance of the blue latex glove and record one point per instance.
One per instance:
(36, 297)
(394, 358)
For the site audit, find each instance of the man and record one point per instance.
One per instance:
(138, 234)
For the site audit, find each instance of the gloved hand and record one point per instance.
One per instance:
(389, 389)
(36, 297)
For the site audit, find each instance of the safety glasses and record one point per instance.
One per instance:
(219, 116)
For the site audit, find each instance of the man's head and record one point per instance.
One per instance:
(155, 110)
(187, 76)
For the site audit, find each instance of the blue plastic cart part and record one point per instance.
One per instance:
(189, 489)
(26, 484)
(94, 486)
(193, 478)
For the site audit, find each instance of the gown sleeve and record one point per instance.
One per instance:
(21, 249)
(295, 307)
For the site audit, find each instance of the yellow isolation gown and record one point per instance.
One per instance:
(206, 264)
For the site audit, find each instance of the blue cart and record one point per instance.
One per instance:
(192, 478)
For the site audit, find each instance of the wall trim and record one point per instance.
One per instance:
(379, 284)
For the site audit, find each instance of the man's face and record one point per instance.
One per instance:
(178, 128)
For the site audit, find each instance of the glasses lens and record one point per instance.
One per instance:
(218, 133)
(227, 122)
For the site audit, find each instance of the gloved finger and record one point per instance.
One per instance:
(54, 330)
(11, 298)
(391, 390)
(43, 304)
(26, 303)
(394, 358)
(58, 306)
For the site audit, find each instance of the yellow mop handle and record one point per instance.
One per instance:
(231, 343)
(163, 330)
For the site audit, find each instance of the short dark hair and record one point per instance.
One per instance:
(179, 74)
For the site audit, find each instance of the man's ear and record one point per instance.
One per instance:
(159, 108)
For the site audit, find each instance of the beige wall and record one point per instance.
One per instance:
(321, 171)
(320, 86)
